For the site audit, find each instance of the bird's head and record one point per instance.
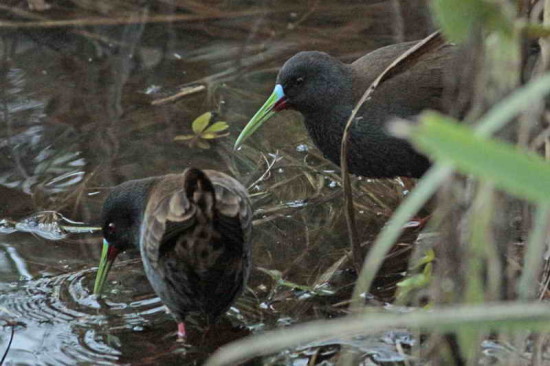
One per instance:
(120, 222)
(309, 82)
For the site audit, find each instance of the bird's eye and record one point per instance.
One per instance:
(299, 81)
(111, 228)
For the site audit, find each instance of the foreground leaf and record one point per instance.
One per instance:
(524, 174)
(480, 318)
(458, 18)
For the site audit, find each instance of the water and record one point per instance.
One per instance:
(76, 118)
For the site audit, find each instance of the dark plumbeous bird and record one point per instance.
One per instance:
(193, 233)
(325, 90)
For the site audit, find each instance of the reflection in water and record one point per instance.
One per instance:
(64, 310)
(11, 258)
(76, 118)
(53, 311)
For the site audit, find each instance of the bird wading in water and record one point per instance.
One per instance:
(325, 90)
(193, 234)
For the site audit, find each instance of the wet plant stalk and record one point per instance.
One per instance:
(425, 188)
(527, 284)
(400, 64)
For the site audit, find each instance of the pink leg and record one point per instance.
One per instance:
(181, 331)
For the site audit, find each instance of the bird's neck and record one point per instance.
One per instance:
(138, 203)
(367, 139)
(326, 128)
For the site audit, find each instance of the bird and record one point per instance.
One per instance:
(325, 90)
(193, 231)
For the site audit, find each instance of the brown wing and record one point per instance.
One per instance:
(232, 201)
(418, 87)
(196, 235)
(169, 212)
(172, 212)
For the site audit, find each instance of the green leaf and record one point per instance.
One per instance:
(184, 137)
(517, 172)
(218, 127)
(417, 281)
(203, 144)
(534, 30)
(200, 123)
(458, 18)
(211, 136)
(508, 108)
(428, 257)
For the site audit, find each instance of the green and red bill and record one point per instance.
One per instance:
(276, 102)
(108, 256)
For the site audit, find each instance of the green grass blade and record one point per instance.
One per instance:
(528, 282)
(483, 317)
(524, 174)
(425, 188)
(507, 109)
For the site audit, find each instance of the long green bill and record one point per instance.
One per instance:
(104, 267)
(263, 114)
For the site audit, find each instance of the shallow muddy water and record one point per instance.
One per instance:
(76, 117)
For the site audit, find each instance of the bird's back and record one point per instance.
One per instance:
(405, 95)
(418, 87)
(196, 242)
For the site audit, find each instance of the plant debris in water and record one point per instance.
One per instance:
(49, 225)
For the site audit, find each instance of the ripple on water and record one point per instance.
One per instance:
(65, 321)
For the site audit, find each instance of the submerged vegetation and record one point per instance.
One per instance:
(470, 287)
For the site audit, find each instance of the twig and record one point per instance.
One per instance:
(540, 139)
(125, 20)
(270, 165)
(165, 18)
(188, 90)
(40, 18)
(401, 63)
(402, 353)
(9, 345)
(38, 5)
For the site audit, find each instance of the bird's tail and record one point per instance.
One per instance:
(199, 189)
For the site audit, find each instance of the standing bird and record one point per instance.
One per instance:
(325, 90)
(193, 233)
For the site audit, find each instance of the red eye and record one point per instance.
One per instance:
(111, 228)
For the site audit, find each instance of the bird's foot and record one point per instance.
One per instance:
(181, 332)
